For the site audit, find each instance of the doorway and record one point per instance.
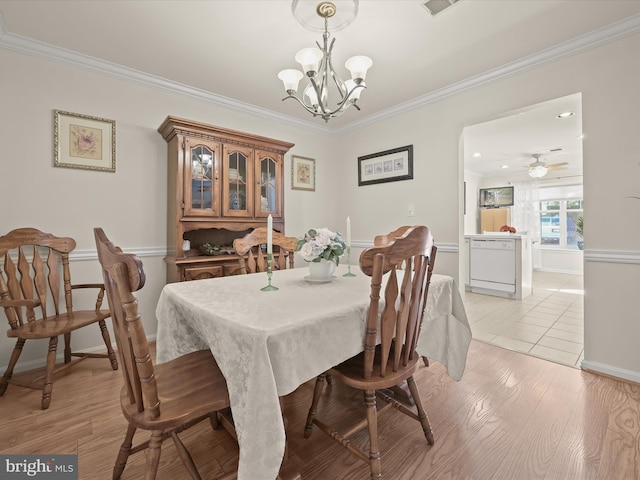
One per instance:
(511, 151)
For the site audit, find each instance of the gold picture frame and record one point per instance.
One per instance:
(303, 173)
(85, 142)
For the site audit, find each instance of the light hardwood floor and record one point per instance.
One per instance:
(512, 416)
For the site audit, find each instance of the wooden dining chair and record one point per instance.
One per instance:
(164, 399)
(394, 359)
(386, 239)
(35, 280)
(250, 246)
(398, 232)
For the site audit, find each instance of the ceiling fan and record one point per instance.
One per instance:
(539, 169)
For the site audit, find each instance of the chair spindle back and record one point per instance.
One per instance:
(29, 280)
(256, 259)
(124, 274)
(408, 262)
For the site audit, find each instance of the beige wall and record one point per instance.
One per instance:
(73, 202)
(130, 205)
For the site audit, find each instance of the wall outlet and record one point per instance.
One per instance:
(411, 210)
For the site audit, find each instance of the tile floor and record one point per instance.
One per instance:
(548, 324)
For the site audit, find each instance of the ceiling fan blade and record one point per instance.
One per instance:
(558, 165)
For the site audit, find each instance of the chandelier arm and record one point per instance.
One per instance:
(304, 105)
(345, 102)
(325, 65)
(318, 89)
(337, 80)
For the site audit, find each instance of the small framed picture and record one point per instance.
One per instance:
(81, 141)
(387, 166)
(303, 173)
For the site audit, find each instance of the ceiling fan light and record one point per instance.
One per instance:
(538, 171)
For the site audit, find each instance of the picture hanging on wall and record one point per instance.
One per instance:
(303, 173)
(388, 166)
(81, 141)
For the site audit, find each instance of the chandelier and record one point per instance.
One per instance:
(316, 64)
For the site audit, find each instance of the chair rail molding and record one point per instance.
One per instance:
(631, 257)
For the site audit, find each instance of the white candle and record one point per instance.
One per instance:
(348, 232)
(186, 245)
(270, 234)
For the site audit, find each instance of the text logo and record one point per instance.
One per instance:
(39, 467)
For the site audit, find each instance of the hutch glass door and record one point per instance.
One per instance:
(201, 197)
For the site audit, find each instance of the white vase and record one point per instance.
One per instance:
(322, 270)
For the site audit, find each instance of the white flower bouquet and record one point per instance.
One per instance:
(321, 243)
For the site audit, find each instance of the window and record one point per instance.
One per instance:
(558, 219)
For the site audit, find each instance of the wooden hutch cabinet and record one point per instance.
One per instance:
(221, 185)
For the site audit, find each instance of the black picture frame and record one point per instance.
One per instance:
(388, 166)
(496, 197)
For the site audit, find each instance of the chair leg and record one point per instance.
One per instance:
(67, 347)
(317, 391)
(213, 420)
(186, 457)
(425, 361)
(48, 380)
(422, 415)
(372, 422)
(153, 455)
(123, 454)
(17, 350)
(107, 341)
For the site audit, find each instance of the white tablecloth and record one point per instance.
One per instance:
(269, 343)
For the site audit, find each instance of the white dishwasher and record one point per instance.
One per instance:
(492, 264)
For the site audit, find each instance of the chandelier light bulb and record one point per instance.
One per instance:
(310, 93)
(310, 59)
(290, 78)
(358, 66)
(355, 94)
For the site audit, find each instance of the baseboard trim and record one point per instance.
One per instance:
(610, 371)
(558, 270)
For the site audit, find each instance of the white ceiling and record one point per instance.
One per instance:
(234, 49)
(507, 144)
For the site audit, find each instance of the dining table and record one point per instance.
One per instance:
(268, 343)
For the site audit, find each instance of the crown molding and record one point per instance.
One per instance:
(596, 38)
(36, 48)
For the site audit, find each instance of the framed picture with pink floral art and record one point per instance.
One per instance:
(303, 173)
(85, 142)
